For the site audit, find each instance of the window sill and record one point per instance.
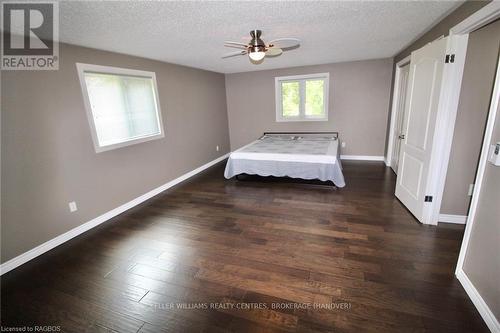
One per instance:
(100, 149)
(284, 120)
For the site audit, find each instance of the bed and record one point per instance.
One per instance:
(294, 155)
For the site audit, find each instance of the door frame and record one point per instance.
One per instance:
(482, 17)
(394, 109)
(448, 106)
(474, 295)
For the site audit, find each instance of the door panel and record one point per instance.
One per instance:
(424, 78)
(411, 174)
(421, 107)
(404, 71)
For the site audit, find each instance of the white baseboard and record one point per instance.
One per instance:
(49, 245)
(457, 219)
(362, 158)
(481, 306)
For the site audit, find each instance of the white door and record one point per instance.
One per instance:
(404, 71)
(421, 108)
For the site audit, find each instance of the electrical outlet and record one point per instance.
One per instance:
(217, 148)
(471, 190)
(72, 206)
(343, 144)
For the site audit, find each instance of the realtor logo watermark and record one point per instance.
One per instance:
(30, 35)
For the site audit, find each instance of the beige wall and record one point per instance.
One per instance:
(477, 83)
(48, 158)
(471, 116)
(482, 264)
(359, 103)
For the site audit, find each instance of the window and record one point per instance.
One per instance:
(122, 105)
(302, 97)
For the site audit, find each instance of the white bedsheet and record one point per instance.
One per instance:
(301, 157)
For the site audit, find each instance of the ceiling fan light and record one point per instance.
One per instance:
(257, 53)
(257, 56)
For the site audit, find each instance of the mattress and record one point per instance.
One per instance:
(295, 156)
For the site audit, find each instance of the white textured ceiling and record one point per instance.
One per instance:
(193, 33)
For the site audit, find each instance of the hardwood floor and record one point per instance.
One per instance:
(213, 255)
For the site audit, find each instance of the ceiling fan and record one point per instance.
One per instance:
(257, 49)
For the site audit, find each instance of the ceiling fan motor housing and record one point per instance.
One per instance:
(256, 44)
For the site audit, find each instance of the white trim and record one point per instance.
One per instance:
(449, 218)
(479, 19)
(82, 68)
(395, 95)
(362, 158)
(481, 306)
(301, 79)
(49, 245)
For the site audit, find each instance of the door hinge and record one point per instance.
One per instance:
(428, 198)
(449, 58)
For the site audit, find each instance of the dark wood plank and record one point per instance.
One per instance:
(283, 245)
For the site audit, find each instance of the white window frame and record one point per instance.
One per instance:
(82, 68)
(301, 79)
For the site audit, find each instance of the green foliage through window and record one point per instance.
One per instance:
(314, 98)
(303, 98)
(290, 94)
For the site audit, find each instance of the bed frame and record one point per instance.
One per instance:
(334, 134)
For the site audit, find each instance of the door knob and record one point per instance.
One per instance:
(401, 137)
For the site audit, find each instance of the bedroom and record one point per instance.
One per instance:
(250, 166)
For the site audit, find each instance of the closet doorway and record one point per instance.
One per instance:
(398, 112)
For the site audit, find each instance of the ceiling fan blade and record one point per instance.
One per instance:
(241, 47)
(285, 43)
(233, 54)
(235, 44)
(273, 52)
